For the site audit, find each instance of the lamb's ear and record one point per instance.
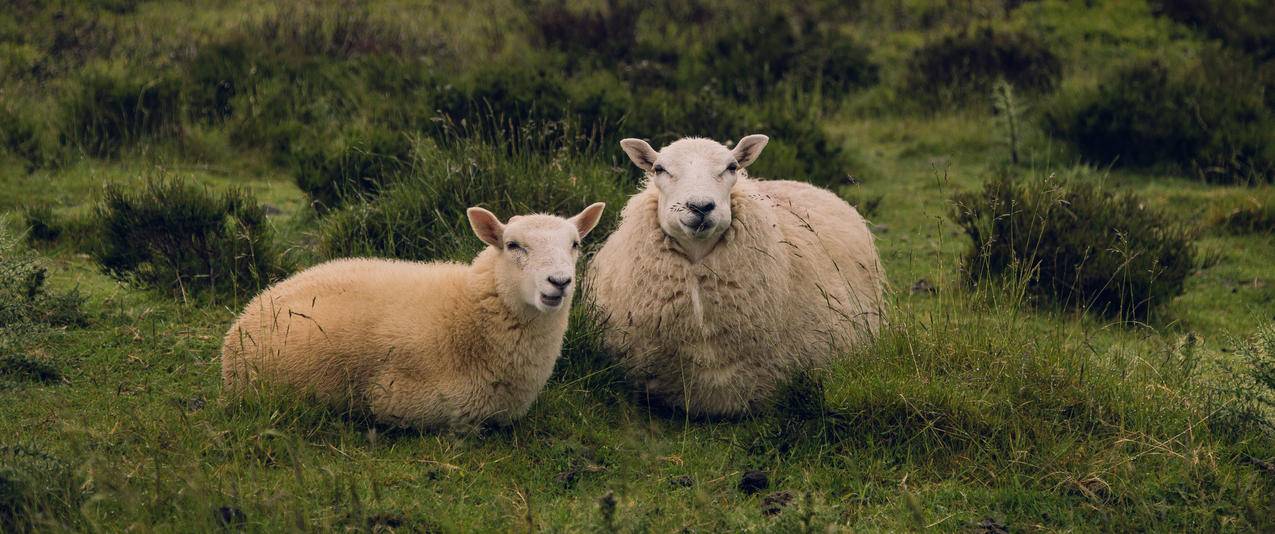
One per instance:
(486, 226)
(587, 219)
(640, 152)
(748, 148)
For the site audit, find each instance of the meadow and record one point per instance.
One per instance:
(1073, 202)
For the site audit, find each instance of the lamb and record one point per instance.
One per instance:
(429, 345)
(717, 288)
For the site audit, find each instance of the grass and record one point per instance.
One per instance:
(972, 408)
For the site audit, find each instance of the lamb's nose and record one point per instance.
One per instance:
(560, 282)
(701, 207)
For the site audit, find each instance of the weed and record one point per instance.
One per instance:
(110, 108)
(1078, 243)
(1204, 117)
(186, 241)
(963, 65)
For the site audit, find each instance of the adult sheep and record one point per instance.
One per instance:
(432, 345)
(717, 288)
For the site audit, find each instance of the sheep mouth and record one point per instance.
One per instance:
(699, 227)
(551, 301)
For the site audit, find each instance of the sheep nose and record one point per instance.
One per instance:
(701, 207)
(560, 282)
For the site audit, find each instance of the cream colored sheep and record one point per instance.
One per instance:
(716, 287)
(432, 345)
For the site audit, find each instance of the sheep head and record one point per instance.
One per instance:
(536, 254)
(694, 178)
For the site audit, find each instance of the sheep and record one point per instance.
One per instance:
(428, 345)
(717, 288)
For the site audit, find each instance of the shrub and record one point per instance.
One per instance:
(422, 217)
(961, 66)
(41, 223)
(607, 33)
(185, 240)
(1245, 398)
(1245, 25)
(108, 109)
(213, 77)
(38, 492)
(1203, 117)
(21, 136)
(357, 165)
(767, 50)
(1076, 243)
(342, 29)
(25, 301)
(1251, 216)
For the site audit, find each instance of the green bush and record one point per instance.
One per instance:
(1252, 216)
(357, 165)
(214, 76)
(185, 240)
(767, 50)
(1244, 24)
(41, 223)
(1075, 243)
(25, 300)
(422, 216)
(1205, 117)
(962, 66)
(110, 108)
(38, 492)
(1245, 398)
(21, 136)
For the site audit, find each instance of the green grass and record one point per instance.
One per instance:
(973, 405)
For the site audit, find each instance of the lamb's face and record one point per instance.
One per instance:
(537, 253)
(694, 178)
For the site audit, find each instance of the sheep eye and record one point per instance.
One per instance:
(659, 169)
(513, 245)
(732, 167)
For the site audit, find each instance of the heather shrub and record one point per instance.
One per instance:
(355, 165)
(185, 240)
(214, 76)
(23, 137)
(1244, 24)
(1205, 118)
(38, 492)
(422, 216)
(962, 66)
(110, 108)
(1075, 243)
(1254, 214)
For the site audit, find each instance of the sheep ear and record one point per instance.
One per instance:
(640, 152)
(588, 218)
(486, 226)
(748, 148)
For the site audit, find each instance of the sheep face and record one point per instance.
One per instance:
(537, 255)
(694, 178)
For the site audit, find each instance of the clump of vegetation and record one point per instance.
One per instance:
(1243, 24)
(422, 216)
(961, 66)
(1205, 117)
(1246, 400)
(1253, 215)
(38, 492)
(21, 136)
(109, 108)
(356, 165)
(42, 225)
(185, 240)
(20, 367)
(1076, 243)
(25, 300)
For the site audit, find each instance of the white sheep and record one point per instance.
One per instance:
(716, 288)
(430, 345)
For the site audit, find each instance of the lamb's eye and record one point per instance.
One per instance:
(513, 245)
(732, 167)
(659, 169)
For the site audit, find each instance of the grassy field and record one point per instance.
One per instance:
(982, 406)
